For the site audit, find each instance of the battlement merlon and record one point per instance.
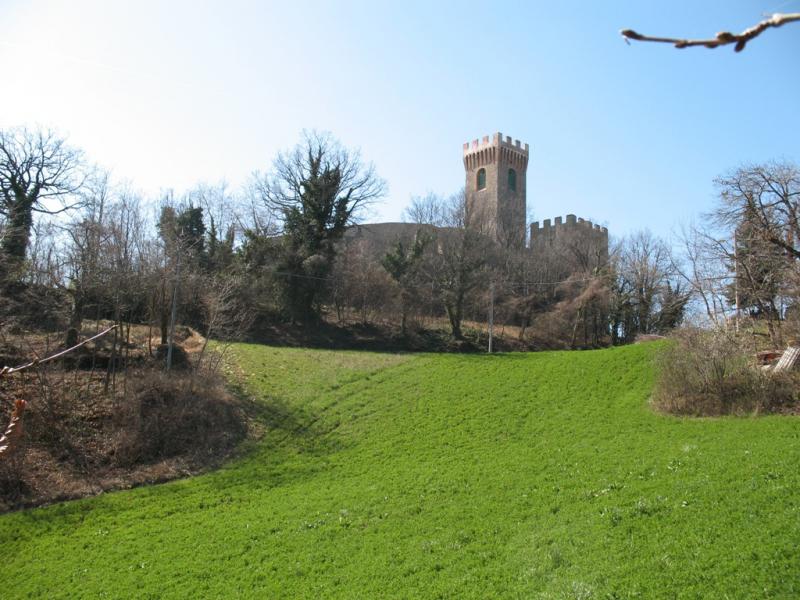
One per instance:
(571, 223)
(496, 140)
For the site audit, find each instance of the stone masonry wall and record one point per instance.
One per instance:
(580, 238)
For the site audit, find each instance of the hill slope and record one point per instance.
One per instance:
(539, 475)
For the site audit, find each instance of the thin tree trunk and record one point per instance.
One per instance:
(164, 316)
(173, 313)
(454, 315)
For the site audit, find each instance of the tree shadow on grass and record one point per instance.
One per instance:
(278, 429)
(376, 337)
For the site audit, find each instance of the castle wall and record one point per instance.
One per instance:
(383, 236)
(573, 238)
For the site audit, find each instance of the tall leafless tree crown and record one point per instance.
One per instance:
(354, 184)
(767, 196)
(39, 172)
(38, 165)
(439, 211)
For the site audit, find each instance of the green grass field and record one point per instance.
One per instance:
(509, 476)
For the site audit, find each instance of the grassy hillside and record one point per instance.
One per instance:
(509, 476)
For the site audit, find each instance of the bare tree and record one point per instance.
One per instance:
(83, 255)
(526, 287)
(768, 197)
(647, 297)
(429, 210)
(225, 316)
(583, 310)
(756, 241)
(402, 262)
(359, 282)
(459, 259)
(39, 172)
(701, 263)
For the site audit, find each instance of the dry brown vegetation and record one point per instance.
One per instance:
(706, 372)
(743, 268)
(102, 419)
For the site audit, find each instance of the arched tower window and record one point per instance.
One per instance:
(512, 180)
(481, 179)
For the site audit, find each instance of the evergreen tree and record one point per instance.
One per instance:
(317, 189)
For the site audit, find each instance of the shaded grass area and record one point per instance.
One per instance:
(510, 476)
(387, 337)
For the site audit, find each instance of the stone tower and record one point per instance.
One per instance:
(495, 188)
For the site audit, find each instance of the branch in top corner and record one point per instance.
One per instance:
(723, 38)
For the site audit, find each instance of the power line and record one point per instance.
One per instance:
(502, 283)
(506, 283)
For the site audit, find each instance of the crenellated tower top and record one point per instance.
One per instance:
(484, 151)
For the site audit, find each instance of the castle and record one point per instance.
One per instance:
(496, 205)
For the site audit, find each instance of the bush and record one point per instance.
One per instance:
(710, 372)
(170, 414)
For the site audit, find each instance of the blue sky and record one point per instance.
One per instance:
(168, 94)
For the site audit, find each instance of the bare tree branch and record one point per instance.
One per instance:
(723, 37)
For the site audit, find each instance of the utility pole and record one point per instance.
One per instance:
(736, 281)
(491, 314)
(171, 339)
